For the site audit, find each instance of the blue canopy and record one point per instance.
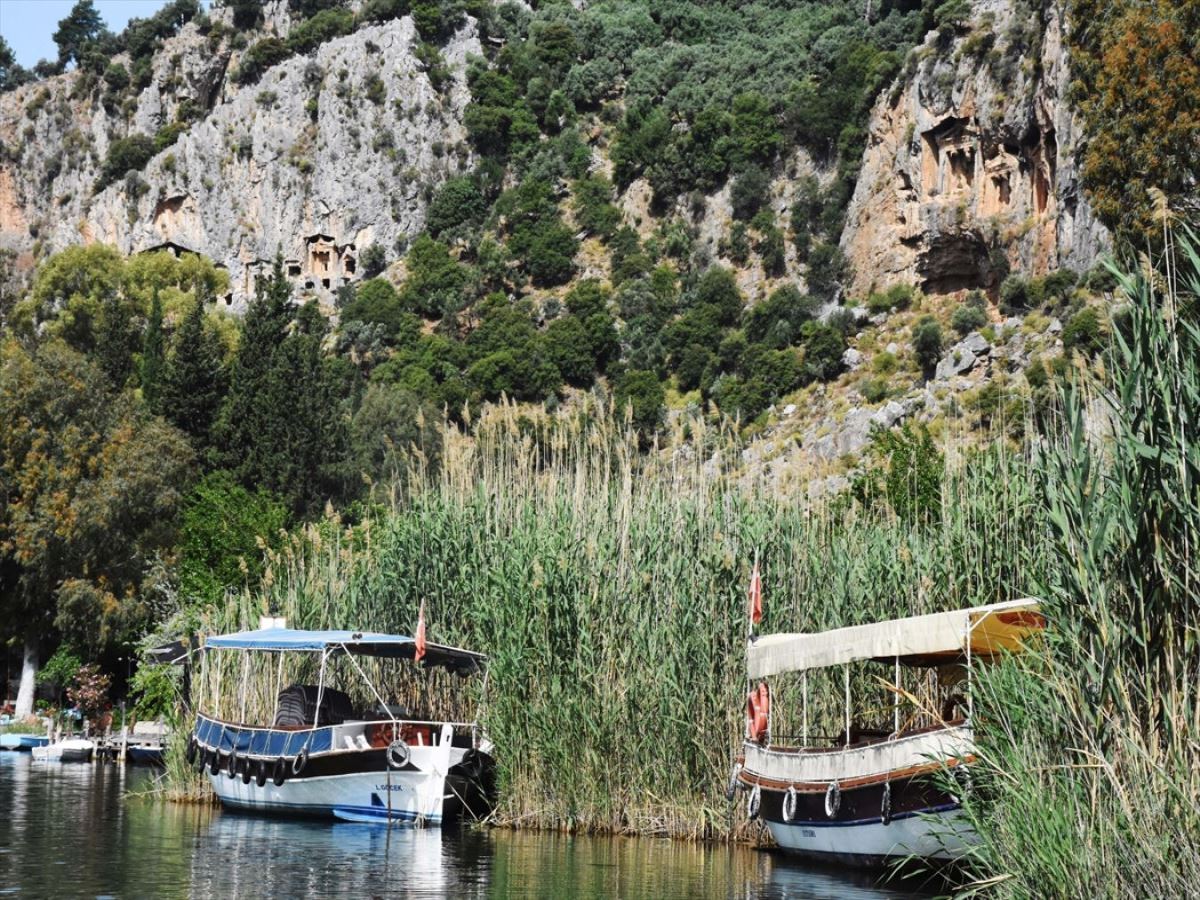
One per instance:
(367, 643)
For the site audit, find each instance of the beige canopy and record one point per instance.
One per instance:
(922, 640)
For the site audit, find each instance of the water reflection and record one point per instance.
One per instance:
(72, 830)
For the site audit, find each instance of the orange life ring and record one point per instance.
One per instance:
(758, 711)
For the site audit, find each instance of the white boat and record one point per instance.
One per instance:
(868, 796)
(319, 755)
(66, 750)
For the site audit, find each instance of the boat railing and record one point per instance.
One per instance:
(347, 736)
(818, 743)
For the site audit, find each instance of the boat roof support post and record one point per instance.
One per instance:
(804, 708)
(278, 688)
(970, 693)
(846, 669)
(320, 696)
(382, 703)
(896, 702)
(245, 684)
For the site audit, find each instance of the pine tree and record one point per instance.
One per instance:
(80, 27)
(281, 428)
(151, 368)
(194, 381)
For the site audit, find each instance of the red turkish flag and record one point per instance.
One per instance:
(420, 633)
(755, 595)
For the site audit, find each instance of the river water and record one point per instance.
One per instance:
(79, 830)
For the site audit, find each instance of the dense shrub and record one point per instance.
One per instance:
(927, 343)
(116, 77)
(898, 296)
(1084, 332)
(128, 154)
(641, 396)
(373, 260)
(459, 201)
(436, 282)
(325, 25)
(826, 271)
(1014, 295)
(376, 302)
(969, 316)
(594, 209)
(259, 57)
(823, 350)
(749, 193)
(776, 321)
(718, 291)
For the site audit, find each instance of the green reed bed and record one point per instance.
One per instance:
(608, 588)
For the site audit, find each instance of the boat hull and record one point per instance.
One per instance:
(415, 798)
(435, 781)
(935, 834)
(916, 818)
(867, 805)
(145, 756)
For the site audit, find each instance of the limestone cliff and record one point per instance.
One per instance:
(326, 154)
(970, 166)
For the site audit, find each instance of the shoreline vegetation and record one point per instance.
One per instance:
(607, 585)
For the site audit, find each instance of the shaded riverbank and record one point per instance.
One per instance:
(71, 830)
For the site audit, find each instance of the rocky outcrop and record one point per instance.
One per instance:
(325, 155)
(970, 166)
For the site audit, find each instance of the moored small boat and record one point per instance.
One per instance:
(145, 755)
(22, 741)
(322, 752)
(66, 750)
(874, 793)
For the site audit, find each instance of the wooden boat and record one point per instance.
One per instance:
(869, 796)
(22, 741)
(321, 755)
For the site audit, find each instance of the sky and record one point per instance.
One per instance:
(27, 25)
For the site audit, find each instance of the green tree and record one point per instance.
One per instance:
(194, 379)
(125, 155)
(12, 75)
(642, 395)
(89, 489)
(152, 362)
(459, 201)
(225, 530)
(390, 428)
(246, 13)
(280, 427)
(376, 302)
(81, 26)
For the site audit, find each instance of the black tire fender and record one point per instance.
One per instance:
(833, 799)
